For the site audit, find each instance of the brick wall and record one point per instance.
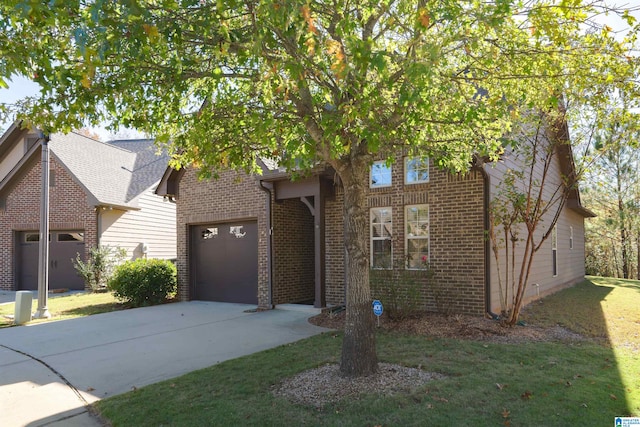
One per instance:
(456, 238)
(334, 249)
(68, 210)
(456, 235)
(233, 196)
(293, 253)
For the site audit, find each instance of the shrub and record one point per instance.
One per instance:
(99, 266)
(399, 290)
(144, 281)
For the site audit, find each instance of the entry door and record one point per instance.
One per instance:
(225, 262)
(63, 247)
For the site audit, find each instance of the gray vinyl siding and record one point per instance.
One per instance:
(570, 261)
(154, 224)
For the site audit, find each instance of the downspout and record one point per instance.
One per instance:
(98, 225)
(267, 187)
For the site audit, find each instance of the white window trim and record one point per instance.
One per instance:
(571, 237)
(407, 238)
(371, 175)
(422, 159)
(554, 251)
(372, 238)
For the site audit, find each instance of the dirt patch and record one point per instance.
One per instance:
(459, 327)
(323, 385)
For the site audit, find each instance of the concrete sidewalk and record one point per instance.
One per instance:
(50, 371)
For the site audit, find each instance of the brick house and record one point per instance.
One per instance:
(99, 194)
(267, 240)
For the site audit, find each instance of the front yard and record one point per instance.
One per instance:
(526, 377)
(67, 307)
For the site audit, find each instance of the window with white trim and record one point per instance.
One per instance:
(416, 170)
(416, 236)
(381, 222)
(380, 175)
(554, 250)
(570, 237)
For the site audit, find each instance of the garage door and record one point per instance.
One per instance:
(63, 246)
(225, 262)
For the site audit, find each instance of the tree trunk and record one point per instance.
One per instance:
(358, 345)
(638, 255)
(623, 223)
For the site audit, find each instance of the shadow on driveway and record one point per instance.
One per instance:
(112, 353)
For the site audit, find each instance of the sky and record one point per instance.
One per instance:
(19, 87)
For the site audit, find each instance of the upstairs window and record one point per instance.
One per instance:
(380, 175)
(416, 170)
(381, 222)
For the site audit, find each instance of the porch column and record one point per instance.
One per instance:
(319, 250)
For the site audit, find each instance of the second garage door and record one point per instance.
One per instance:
(225, 262)
(63, 247)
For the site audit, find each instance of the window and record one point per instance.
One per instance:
(381, 237)
(554, 250)
(209, 233)
(417, 236)
(416, 170)
(31, 237)
(380, 175)
(570, 237)
(71, 237)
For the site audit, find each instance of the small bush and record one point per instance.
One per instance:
(144, 281)
(99, 266)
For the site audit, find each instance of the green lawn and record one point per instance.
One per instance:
(68, 307)
(534, 384)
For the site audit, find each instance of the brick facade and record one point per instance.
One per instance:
(293, 252)
(456, 229)
(233, 196)
(68, 210)
(456, 232)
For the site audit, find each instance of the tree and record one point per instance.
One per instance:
(308, 83)
(614, 192)
(528, 202)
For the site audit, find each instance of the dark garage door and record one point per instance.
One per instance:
(63, 246)
(225, 262)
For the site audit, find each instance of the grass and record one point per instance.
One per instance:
(68, 307)
(551, 384)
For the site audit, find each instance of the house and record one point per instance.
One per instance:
(268, 240)
(99, 194)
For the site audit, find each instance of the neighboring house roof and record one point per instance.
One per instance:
(112, 173)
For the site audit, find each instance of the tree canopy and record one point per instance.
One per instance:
(307, 80)
(304, 82)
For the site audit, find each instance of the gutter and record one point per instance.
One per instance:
(267, 187)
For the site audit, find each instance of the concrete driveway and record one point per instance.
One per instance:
(50, 372)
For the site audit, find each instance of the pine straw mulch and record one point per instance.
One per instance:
(459, 326)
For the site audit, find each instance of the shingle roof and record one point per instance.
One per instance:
(113, 173)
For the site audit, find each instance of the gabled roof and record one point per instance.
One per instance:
(112, 174)
(168, 185)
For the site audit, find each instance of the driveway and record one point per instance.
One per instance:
(50, 372)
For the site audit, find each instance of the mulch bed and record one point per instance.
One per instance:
(458, 326)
